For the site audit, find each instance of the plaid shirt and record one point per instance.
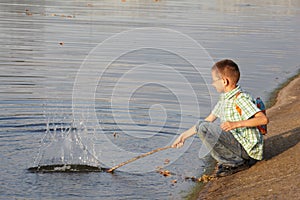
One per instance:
(248, 137)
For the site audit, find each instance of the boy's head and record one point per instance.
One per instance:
(226, 75)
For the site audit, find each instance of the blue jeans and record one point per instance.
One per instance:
(224, 148)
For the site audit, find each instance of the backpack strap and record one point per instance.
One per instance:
(238, 109)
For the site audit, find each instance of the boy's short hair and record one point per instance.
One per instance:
(228, 68)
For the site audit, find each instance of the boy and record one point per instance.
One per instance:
(236, 144)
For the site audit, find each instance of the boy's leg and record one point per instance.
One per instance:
(225, 149)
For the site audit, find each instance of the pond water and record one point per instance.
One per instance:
(125, 77)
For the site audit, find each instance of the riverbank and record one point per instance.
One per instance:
(278, 175)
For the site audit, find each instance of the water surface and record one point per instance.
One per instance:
(43, 45)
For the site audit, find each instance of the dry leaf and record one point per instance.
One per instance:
(164, 172)
(115, 134)
(28, 12)
(167, 161)
(204, 178)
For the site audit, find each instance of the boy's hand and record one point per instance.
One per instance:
(178, 142)
(227, 126)
(186, 134)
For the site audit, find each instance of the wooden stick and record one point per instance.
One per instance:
(138, 157)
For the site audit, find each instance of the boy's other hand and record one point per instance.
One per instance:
(227, 126)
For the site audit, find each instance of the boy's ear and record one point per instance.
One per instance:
(225, 81)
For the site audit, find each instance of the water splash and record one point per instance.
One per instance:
(62, 149)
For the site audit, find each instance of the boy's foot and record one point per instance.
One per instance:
(225, 170)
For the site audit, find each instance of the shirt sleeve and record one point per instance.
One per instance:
(217, 109)
(247, 105)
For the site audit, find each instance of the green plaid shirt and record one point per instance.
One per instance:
(248, 137)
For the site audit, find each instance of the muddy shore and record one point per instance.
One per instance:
(278, 175)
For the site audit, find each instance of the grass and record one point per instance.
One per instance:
(273, 95)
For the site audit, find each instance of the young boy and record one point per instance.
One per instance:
(236, 144)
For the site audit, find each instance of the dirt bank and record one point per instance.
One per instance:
(278, 176)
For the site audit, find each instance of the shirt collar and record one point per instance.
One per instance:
(230, 94)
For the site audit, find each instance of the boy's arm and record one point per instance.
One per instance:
(258, 119)
(192, 131)
(211, 118)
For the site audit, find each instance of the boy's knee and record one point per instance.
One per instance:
(202, 128)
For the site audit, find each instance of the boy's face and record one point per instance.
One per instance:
(217, 81)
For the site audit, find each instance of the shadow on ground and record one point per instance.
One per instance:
(278, 144)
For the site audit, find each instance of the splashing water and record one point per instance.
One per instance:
(63, 150)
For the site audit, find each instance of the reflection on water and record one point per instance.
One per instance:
(43, 44)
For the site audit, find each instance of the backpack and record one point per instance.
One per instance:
(260, 104)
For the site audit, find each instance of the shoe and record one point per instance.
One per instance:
(225, 170)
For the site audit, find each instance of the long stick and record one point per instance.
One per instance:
(138, 157)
